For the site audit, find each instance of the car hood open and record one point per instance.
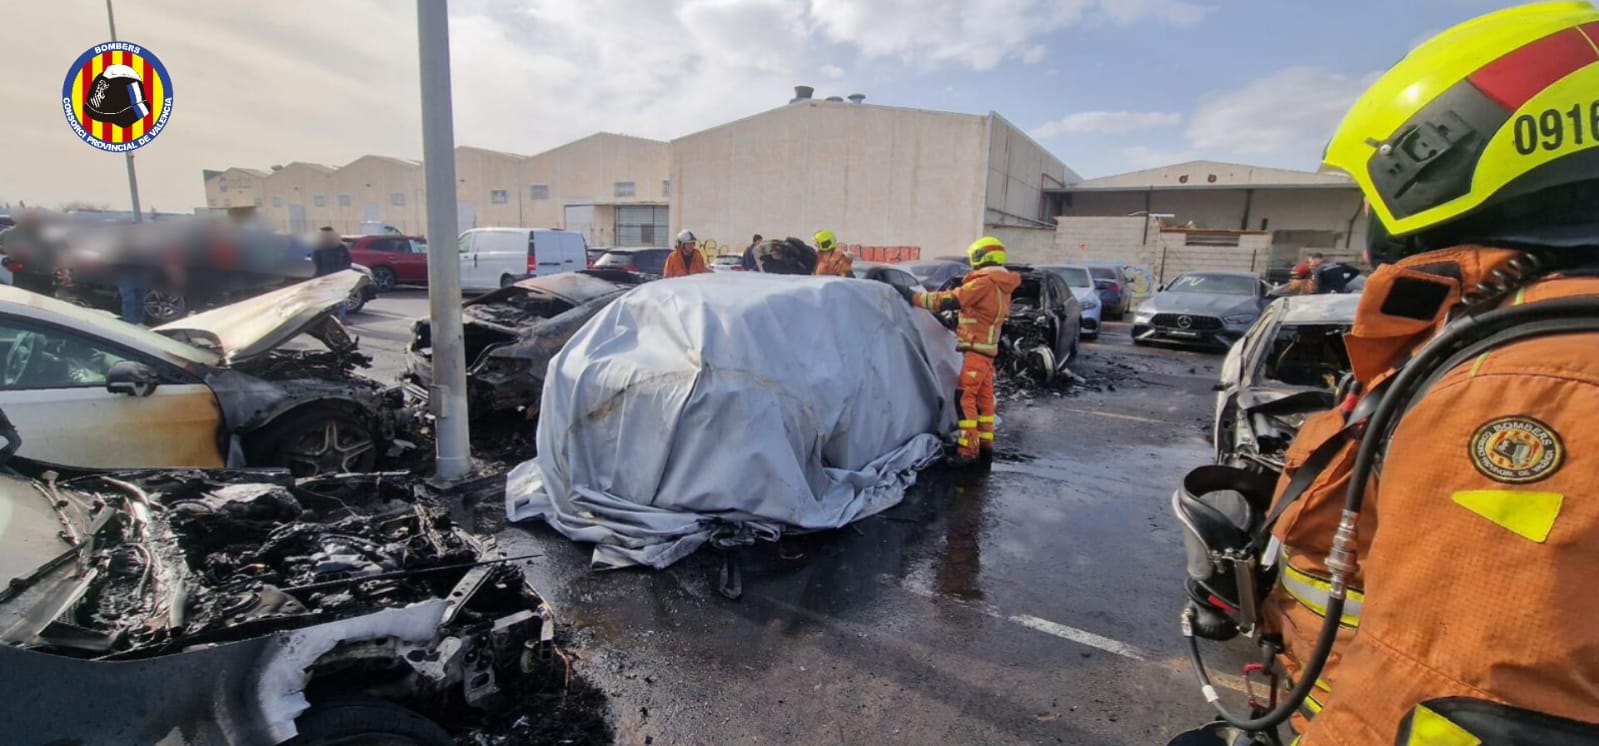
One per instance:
(251, 327)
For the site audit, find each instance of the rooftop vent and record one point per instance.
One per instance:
(857, 98)
(839, 99)
(802, 93)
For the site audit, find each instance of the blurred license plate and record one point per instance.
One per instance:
(1183, 333)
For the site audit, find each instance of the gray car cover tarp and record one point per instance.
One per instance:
(734, 407)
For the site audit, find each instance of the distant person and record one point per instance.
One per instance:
(829, 260)
(1299, 282)
(1333, 277)
(330, 254)
(26, 243)
(685, 258)
(748, 261)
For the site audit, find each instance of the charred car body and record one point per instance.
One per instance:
(1042, 334)
(1288, 366)
(215, 389)
(213, 607)
(512, 333)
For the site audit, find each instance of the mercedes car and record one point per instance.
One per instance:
(1211, 309)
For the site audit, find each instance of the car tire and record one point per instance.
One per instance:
(363, 721)
(506, 281)
(318, 440)
(161, 306)
(384, 279)
(355, 302)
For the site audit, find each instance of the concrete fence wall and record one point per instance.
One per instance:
(1028, 245)
(1177, 252)
(1105, 239)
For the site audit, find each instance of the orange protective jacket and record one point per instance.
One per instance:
(1477, 538)
(833, 262)
(676, 268)
(984, 302)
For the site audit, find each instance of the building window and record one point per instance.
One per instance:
(539, 191)
(277, 201)
(499, 196)
(319, 200)
(397, 199)
(666, 187)
(624, 188)
(258, 202)
(344, 200)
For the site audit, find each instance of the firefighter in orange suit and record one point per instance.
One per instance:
(1465, 616)
(685, 259)
(984, 300)
(829, 260)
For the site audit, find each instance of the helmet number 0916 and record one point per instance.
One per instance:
(1548, 129)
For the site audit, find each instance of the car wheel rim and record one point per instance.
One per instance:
(162, 305)
(383, 278)
(332, 449)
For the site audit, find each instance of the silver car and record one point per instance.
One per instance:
(1081, 282)
(1202, 308)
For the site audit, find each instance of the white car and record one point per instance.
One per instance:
(209, 390)
(1285, 368)
(727, 263)
(1077, 277)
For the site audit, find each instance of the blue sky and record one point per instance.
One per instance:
(1108, 85)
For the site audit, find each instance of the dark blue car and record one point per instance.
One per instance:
(1108, 282)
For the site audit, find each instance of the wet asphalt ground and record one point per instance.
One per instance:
(1037, 604)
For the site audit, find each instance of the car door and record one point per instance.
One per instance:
(1068, 314)
(576, 252)
(53, 387)
(410, 260)
(477, 261)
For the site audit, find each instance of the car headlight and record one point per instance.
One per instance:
(1090, 304)
(1143, 315)
(1239, 319)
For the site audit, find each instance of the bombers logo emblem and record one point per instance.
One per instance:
(117, 96)
(1516, 450)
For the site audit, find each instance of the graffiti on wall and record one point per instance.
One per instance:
(884, 254)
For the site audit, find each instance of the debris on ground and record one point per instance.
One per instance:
(559, 709)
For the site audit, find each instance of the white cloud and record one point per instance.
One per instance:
(832, 72)
(1107, 122)
(1290, 112)
(1034, 55)
(978, 35)
(1143, 156)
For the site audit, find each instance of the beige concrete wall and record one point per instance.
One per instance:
(1217, 173)
(235, 187)
(1018, 171)
(294, 185)
(1177, 253)
(479, 174)
(1028, 245)
(875, 175)
(1105, 239)
(587, 171)
(371, 183)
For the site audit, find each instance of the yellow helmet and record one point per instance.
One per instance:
(986, 250)
(1498, 107)
(826, 241)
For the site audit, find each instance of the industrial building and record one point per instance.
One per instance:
(1226, 215)
(875, 175)
(611, 187)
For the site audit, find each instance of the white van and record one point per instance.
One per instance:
(495, 257)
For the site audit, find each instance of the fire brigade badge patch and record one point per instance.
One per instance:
(1516, 450)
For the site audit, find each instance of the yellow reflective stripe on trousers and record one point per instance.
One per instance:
(966, 424)
(986, 436)
(964, 320)
(1428, 728)
(986, 418)
(987, 349)
(1314, 593)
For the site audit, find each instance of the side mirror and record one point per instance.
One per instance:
(1161, 289)
(131, 378)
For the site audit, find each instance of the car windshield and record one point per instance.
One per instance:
(419, 246)
(1214, 284)
(615, 259)
(1075, 277)
(1104, 273)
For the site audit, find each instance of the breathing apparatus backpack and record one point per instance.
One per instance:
(1228, 514)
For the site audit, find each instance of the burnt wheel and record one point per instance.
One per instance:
(320, 441)
(384, 279)
(366, 721)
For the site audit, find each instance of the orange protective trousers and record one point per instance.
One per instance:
(977, 404)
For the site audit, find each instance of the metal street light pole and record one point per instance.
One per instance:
(133, 177)
(447, 398)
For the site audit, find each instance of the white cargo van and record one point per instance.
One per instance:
(495, 257)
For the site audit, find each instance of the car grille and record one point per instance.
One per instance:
(1194, 323)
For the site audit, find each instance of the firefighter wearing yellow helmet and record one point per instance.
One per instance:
(983, 300)
(1442, 599)
(829, 260)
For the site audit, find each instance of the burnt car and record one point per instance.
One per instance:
(512, 333)
(1288, 366)
(217, 607)
(1041, 336)
(221, 388)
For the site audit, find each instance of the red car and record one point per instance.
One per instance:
(393, 259)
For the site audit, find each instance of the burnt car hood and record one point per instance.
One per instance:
(575, 288)
(1206, 304)
(1279, 398)
(252, 327)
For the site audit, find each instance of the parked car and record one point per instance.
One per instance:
(393, 259)
(1207, 308)
(250, 608)
(1078, 278)
(359, 296)
(891, 274)
(728, 263)
(512, 333)
(213, 389)
(937, 274)
(650, 262)
(496, 257)
(1286, 368)
(593, 255)
(1108, 282)
(1042, 334)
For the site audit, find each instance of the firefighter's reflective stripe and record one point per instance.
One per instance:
(1314, 593)
(990, 350)
(1428, 728)
(985, 436)
(985, 418)
(965, 424)
(964, 320)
